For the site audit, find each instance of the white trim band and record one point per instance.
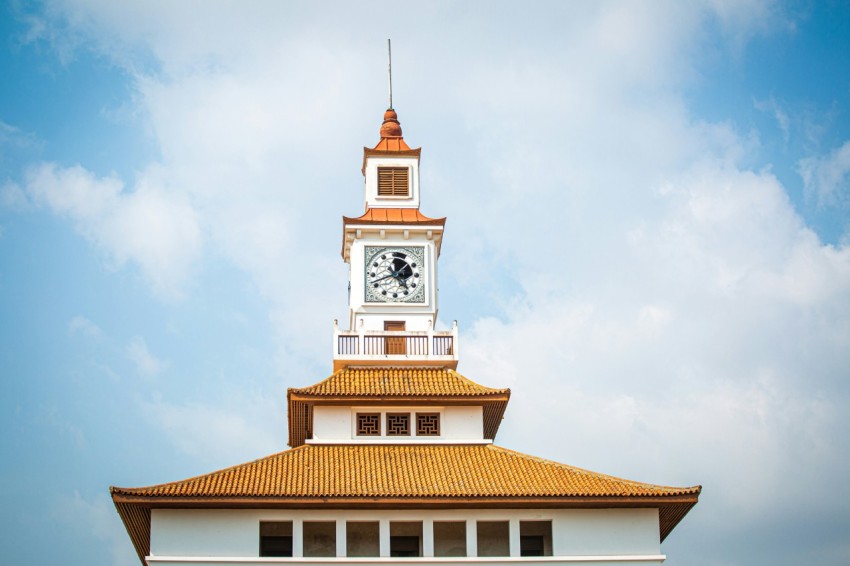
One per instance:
(419, 560)
(413, 441)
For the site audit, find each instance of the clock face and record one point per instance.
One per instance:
(395, 275)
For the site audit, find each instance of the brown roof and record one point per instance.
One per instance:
(393, 216)
(399, 475)
(393, 385)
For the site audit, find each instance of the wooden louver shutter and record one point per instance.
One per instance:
(393, 181)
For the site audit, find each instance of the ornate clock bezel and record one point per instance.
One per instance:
(373, 297)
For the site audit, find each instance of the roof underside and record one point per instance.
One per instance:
(400, 475)
(385, 385)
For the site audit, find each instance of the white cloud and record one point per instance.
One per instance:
(827, 179)
(775, 109)
(713, 350)
(147, 365)
(80, 325)
(219, 433)
(151, 226)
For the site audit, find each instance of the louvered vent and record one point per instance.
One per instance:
(393, 182)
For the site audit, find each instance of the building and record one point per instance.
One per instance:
(392, 456)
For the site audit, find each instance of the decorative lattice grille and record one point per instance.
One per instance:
(427, 424)
(398, 424)
(368, 424)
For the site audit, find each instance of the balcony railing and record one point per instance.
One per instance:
(430, 347)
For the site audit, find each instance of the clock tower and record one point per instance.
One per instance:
(392, 457)
(392, 251)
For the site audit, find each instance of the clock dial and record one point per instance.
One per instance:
(394, 275)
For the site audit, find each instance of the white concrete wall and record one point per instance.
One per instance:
(577, 534)
(463, 422)
(332, 422)
(456, 423)
(371, 182)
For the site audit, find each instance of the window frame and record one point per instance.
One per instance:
(394, 169)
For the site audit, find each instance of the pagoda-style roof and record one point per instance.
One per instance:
(391, 143)
(388, 217)
(393, 385)
(398, 476)
(397, 382)
(393, 216)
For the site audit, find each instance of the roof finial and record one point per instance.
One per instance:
(390, 71)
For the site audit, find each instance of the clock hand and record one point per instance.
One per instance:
(384, 277)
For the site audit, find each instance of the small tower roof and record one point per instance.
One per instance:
(392, 142)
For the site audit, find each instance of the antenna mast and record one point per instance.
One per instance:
(390, 70)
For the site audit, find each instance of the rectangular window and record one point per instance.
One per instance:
(368, 424)
(361, 538)
(493, 538)
(319, 538)
(449, 538)
(535, 538)
(406, 539)
(393, 182)
(276, 538)
(398, 424)
(427, 424)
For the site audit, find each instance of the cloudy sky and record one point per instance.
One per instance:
(648, 240)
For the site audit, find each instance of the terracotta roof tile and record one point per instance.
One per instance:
(393, 216)
(415, 471)
(392, 381)
(391, 145)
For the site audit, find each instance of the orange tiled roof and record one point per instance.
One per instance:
(392, 145)
(453, 476)
(404, 471)
(393, 216)
(396, 382)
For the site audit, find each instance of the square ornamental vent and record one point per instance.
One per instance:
(393, 182)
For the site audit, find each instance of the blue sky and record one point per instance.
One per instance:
(647, 240)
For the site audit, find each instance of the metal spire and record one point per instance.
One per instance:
(390, 70)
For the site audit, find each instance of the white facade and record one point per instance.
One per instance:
(579, 536)
(458, 425)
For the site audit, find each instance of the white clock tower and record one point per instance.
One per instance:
(392, 252)
(392, 457)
